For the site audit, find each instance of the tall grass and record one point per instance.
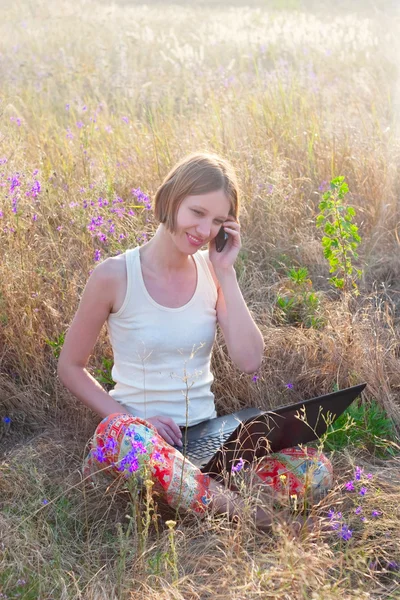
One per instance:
(99, 99)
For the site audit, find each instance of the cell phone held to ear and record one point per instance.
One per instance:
(221, 239)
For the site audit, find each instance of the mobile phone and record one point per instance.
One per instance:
(221, 239)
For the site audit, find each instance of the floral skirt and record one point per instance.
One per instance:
(127, 446)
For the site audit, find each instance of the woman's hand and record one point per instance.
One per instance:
(168, 429)
(226, 258)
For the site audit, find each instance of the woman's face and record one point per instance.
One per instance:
(199, 219)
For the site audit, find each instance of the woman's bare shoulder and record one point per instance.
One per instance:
(109, 278)
(111, 269)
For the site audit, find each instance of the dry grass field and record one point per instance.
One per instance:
(97, 101)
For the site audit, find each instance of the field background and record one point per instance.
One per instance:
(98, 99)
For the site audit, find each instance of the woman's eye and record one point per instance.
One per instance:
(197, 211)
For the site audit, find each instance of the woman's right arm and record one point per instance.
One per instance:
(95, 306)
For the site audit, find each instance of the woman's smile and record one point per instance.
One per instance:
(195, 241)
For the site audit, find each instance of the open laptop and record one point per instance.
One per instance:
(216, 445)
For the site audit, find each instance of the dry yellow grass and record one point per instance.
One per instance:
(99, 98)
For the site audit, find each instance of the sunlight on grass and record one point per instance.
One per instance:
(97, 101)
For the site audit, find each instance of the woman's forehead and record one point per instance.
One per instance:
(214, 202)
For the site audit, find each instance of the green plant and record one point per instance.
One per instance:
(103, 374)
(341, 238)
(364, 425)
(57, 344)
(298, 303)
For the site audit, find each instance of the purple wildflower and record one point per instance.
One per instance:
(345, 533)
(323, 185)
(125, 120)
(34, 217)
(70, 135)
(255, 377)
(289, 386)
(363, 491)
(358, 472)
(79, 124)
(129, 462)
(239, 466)
(142, 198)
(14, 182)
(393, 565)
(35, 190)
(1, 214)
(44, 501)
(99, 455)
(97, 255)
(358, 510)
(6, 420)
(110, 445)
(376, 513)
(331, 513)
(67, 107)
(350, 486)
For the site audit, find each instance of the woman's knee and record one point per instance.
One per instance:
(296, 472)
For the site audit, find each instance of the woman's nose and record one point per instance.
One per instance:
(204, 229)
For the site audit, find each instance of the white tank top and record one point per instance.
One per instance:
(162, 355)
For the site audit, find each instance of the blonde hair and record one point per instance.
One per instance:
(198, 173)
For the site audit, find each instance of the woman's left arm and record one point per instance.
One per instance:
(243, 338)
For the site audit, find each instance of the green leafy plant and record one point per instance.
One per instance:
(341, 238)
(57, 344)
(364, 425)
(103, 374)
(298, 303)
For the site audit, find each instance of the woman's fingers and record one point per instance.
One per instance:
(172, 431)
(162, 430)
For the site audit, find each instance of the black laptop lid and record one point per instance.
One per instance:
(307, 420)
(284, 427)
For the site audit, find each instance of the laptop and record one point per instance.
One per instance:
(216, 445)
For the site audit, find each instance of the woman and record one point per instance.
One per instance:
(161, 303)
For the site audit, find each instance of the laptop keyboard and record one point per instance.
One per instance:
(205, 446)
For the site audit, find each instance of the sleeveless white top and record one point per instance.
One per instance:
(162, 355)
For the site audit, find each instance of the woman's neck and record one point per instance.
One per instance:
(162, 254)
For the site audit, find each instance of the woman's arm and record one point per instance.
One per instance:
(94, 308)
(96, 304)
(243, 338)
